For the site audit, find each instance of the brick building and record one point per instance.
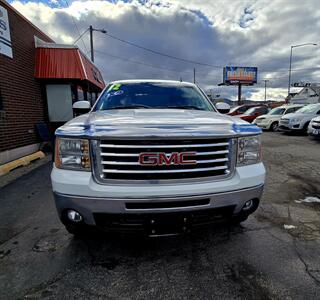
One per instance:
(23, 97)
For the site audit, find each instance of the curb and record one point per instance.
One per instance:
(23, 161)
(19, 172)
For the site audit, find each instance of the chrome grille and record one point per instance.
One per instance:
(119, 159)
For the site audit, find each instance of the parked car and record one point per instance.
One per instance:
(314, 127)
(299, 121)
(240, 109)
(254, 112)
(155, 157)
(270, 121)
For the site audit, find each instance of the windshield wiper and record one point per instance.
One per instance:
(186, 107)
(128, 107)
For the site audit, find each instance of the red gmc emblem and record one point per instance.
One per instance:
(166, 159)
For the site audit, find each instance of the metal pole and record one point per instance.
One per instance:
(265, 90)
(194, 75)
(91, 43)
(289, 83)
(239, 93)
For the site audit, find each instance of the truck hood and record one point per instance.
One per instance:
(155, 122)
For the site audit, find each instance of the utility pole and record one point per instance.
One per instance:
(239, 93)
(194, 75)
(289, 83)
(91, 30)
(265, 89)
(91, 43)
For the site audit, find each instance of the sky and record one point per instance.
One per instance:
(213, 33)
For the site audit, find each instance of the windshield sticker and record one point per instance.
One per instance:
(116, 87)
(115, 93)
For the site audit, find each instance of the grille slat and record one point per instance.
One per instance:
(137, 154)
(163, 171)
(119, 159)
(161, 146)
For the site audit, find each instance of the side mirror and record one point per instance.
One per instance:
(81, 107)
(222, 107)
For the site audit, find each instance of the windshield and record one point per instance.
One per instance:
(251, 110)
(277, 111)
(309, 109)
(152, 95)
(234, 109)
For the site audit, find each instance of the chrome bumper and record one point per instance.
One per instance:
(88, 206)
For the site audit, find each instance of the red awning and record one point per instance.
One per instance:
(66, 63)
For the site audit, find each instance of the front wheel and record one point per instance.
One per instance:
(77, 230)
(236, 220)
(274, 126)
(305, 128)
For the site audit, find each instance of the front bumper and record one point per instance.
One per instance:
(79, 191)
(315, 132)
(92, 209)
(289, 127)
(263, 125)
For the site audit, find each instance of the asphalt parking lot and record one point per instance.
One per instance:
(273, 255)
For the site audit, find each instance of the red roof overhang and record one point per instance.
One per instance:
(66, 63)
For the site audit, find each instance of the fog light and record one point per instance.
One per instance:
(74, 216)
(248, 205)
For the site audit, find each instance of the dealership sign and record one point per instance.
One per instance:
(5, 39)
(237, 75)
(305, 84)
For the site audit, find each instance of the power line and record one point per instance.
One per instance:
(191, 61)
(161, 53)
(80, 36)
(75, 25)
(138, 62)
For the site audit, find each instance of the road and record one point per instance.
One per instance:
(261, 259)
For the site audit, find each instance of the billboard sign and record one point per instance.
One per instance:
(236, 75)
(5, 38)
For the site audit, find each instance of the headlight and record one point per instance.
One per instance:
(249, 151)
(72, 154)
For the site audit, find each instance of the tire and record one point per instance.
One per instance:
(236, 220)
(274, 126)
(77, 230)
(305, 128)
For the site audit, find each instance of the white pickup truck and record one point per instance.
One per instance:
(155, 157)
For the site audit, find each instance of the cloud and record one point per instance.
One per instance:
(253, 33)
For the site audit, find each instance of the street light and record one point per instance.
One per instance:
(91, 30)
(295, 46)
